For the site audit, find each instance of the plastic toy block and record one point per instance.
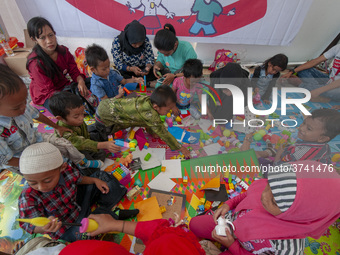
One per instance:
(227, 144)
(147, 157)
(268, 127)
(163, 168)
(162, 209)
(169, 122)
(178, 119)
(275, 138)
(233, 182)
(126, 90)
(233, 177)
(138, 183)
(202, 201)
(234, 194)
(146, 146)
(220, 143)
(121, 143)
(133, 192)
(201, 208)
(244, 185)
(238, 189)
(230, 178)
(118, 134)
(185, 179)
(336, 157)
(231, 186)
(246, 180)
(237, 179)
(207, 205)
(216, 139)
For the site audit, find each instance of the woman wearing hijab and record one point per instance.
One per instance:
(132, 52)
(275, 215)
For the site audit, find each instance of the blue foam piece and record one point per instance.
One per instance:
(131, 86)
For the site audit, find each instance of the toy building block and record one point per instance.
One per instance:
(244, 185)
(162, 209)
(147, 157)
(146, 146)
(238, 189)
(127, 91)
(202, 201)
(178, 119)
(132, 133)
(200, 208)
(207, 205)
(185, 179)
(138, 183)
(231, 186)
(133, 192)
(163, 168)
(118, 134)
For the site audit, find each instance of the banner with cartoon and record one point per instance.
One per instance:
(262, 22)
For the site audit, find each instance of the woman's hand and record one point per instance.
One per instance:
(221, 212)
(156, 69)
(169, 78)
(82, 88)
(101, 185)
(136, 70)
(227, 241)
(105, 224)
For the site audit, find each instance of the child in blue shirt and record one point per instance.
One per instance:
(105, 82)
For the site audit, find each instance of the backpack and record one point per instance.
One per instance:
(81, 61)
(222, 57)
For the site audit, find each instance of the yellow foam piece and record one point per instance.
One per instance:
(213, 184)
(148, 209)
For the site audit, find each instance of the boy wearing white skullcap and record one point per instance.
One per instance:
(53, 192)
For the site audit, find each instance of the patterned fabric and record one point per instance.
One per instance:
(302, 150)
(134, 112)
(60, 202)
(122, 60)
(183, 94)
(80, 137)
(17, 133)
(106, 87)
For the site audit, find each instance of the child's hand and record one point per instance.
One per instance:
(101, 185)
(106, 223)
(176, 111)
(221, 212)
(185, 152)
(266, 101)
(61, 130)
(52, 226)
(169, 77)
(138, 80)
(120, 92)
(279, 152)
(110, 146)
(136, 70)
(336, 107)
(227, 241)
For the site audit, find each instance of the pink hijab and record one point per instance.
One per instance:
(315, 208)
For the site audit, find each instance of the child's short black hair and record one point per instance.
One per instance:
(10, 82)
(94, 54)
(62, 102)
(280, 60)
(162, 95)
(330, 119)
(193, 67)
(165, 38)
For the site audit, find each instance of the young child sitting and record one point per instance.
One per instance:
(265, 76)
(275, 215)
(105, 83)
(16, 125)
(69, 110)
(53, 192)
(117, 114)
(314, 134)
(184, 86)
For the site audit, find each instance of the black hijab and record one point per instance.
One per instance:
(234, 74)
(134, 32)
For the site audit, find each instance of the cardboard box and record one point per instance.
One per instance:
(17, 63)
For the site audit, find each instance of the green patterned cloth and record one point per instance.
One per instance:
(122, 113)
(80, 138)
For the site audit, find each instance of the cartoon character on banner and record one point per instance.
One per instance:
(205, 11)
(150, 19)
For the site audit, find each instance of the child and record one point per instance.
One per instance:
(69, 110)
(184, 86)
(117, 114)
(105, 83)
(53, 192)
(314, 133)
(275, 215)
(265, 76)
(16, 125)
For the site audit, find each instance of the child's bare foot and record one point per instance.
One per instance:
(246, 143)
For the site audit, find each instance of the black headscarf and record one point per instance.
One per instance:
(134, 32)
(233, 74)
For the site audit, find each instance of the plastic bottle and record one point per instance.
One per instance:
(8, 50)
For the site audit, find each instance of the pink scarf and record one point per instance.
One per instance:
(315, 208)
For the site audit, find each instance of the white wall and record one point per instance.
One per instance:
(320, 27)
